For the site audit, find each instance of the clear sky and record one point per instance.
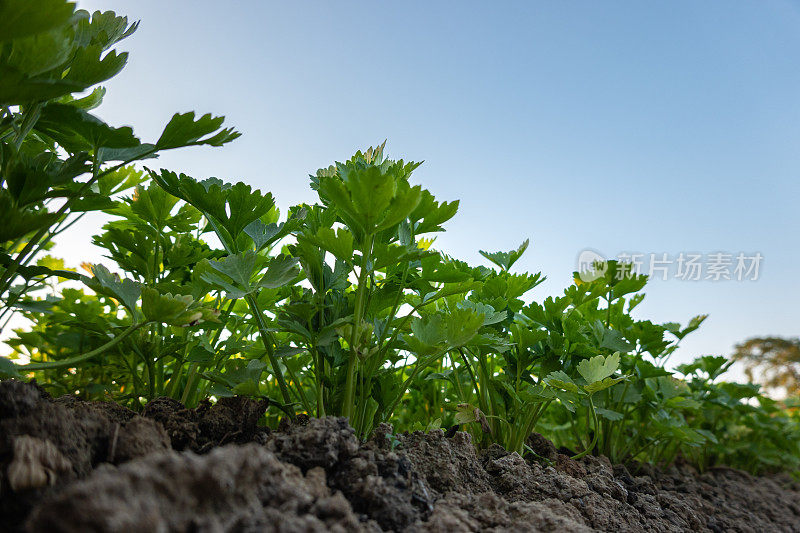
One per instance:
(651, 127)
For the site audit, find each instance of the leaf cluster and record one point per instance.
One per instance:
(340, 307)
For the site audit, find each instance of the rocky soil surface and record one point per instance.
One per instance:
(73, 466)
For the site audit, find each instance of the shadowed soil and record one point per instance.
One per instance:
(69, 466)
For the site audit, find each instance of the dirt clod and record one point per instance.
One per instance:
(68, 465)
(380, 484)
(243, 488)
(36, 463)
(230, 420)
(138, 438)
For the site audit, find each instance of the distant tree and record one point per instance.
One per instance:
(772, 361)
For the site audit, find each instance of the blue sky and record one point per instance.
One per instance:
(619, 126)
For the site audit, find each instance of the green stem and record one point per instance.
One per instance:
(192, 379)
(358, 316)
(319, 363)
(401, 325)
(269, 342)
(73, 361)
(151, 378)
(643, 448)
(487, 399)
(417, 367)
(177, 367)
(471, 376)
(300, 394)
(174, 379)
(459, 388)
(191, 383)
(317, 358)
(596, 432)
(395, 306)
(31, 117)
(529, 426)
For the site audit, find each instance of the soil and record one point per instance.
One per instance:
(72, 466)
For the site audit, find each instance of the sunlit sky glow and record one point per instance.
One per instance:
(622, 127)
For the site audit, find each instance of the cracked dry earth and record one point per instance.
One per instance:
(73, 466)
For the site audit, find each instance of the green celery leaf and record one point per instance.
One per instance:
(201, 354)
(16, 88)
(90, 201)
(281, 270)
(215, 281)
(536, 394)
(603, 384)
(429, 215)
(16, 222)
(371, 192)
(133, 153)
(41, 52)
(90, 66)
(30, 271)
(184, 130)
(88, 102)
(245, 205)
(77, 130)
(404, 202)
(163, 307)
(8, 369)
(338, 242)
(708, 435)
(608, 414)
(598, 367)
(175, 310)
(154, 205)
(20, 18)
(215, 199)
(490, 316)
(127, 291)
(103, 28)
(560, 380)
(461, 326)
(239, 267)
(506, 259)
(265, 234)
(428, 334)
(466, 413)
